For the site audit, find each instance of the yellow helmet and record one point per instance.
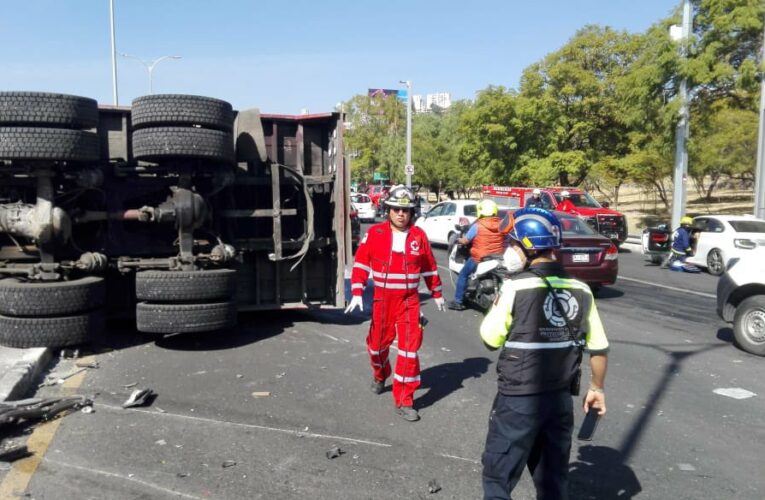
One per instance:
(686, 221)
(486, 208)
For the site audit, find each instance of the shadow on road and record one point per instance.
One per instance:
(725, 334)
(252, 328)
(442, 380)
(600, 472)
(608, 292)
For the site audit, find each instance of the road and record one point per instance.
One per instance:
(276, 395)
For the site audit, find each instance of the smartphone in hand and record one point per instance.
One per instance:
(589, 425)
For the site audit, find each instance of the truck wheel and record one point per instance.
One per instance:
(50, 331)
(21, 298)
(749, 325)
(36, 143)
(185, 286)
(164, 143)
(44, 109)
(715, 262)
(174, 109)
(184, 318)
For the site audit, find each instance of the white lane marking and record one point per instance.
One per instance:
(676, 289)
(460, 458)
(247, 426)
(120, 476)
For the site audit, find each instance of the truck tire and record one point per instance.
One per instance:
(749, 325)
(42, 109)
(184, 318)
(185, 286)
(174, 109)
(50, 331)
(164, 143)
(37, 143)
(20, 298)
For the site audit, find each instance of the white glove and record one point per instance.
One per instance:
(356, 301)
(440, 303)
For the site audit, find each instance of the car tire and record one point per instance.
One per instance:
(185, 286)
(39, 143)
(31, 299)
(50, 331)
(184, 318)
(175, 109)
(656, 259)
(42, 109)
(166, 143)
(749, 325)
(715, 262)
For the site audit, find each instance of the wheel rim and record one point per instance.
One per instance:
(754, 326)
(714, 261)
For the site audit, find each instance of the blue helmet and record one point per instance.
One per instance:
(536, 229)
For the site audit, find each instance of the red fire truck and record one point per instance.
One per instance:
(609, 223)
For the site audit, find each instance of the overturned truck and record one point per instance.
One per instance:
(178, 211)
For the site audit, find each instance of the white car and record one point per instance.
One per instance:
(741, 301)
(439, 222)
(725, 237)
(364, 206)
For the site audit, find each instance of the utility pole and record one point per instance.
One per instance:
(114, 55)
(682, 128)
(408, 168)
(759, 175)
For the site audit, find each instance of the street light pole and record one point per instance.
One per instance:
(759, 176)
(114, 55)
(408, 167)
(682, 129)
(150, 67)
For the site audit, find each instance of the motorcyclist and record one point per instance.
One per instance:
(565, 205)
(535, 200)
(681, 242)
(485, 238)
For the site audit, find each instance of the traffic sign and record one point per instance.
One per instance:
(379, 176)
(409, 169)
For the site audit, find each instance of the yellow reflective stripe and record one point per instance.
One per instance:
(496, 324)
(596, 335)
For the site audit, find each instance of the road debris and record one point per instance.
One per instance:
(58, 380)
(87, 409)
(261, 394)
(160, 442)
(182, 474)
(131, 384)
(228, 463)
(334, 452)
(686, 467)
(433, 486)
(734, 392)
(139, 397)
(14, 453)
(87, 364)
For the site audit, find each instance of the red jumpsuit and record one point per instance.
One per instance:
(396, 304)
(566, 206)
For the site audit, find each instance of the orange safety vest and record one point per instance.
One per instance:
(489, 240)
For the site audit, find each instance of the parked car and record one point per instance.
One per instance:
(364, 206)
(585, 254)
(377, 192)
(721, 238)
(439, 222)
(741, 301)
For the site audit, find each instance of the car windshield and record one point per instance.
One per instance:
(580, 200)
(574, 226)
(469, 210)
(748, 226)
(361, 198)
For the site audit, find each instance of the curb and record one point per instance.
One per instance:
(26, 366)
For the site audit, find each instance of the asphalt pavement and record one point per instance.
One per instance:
(253, 413)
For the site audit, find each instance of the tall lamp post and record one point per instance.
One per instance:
(682, 129)
(150, 66)
(759, 178)
(408, 168)
(114, 53)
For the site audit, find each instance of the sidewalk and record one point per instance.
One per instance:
(19, 368)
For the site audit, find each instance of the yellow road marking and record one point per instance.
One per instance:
(17, 480)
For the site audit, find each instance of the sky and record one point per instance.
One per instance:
(287, 57)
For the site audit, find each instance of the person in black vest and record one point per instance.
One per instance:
(542, 320)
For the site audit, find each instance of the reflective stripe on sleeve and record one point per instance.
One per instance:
(407, 354)
(376, 353)
(541, 345)
(429, 273)
(356, 286)
(406, 379)
(362, 266)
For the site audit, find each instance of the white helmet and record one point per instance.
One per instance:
(565, 194)
(400, 196)
(536, 192)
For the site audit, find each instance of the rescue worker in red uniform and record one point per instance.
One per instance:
(565, 205)
(396, 254)
(485, 237)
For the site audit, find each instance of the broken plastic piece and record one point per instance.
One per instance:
(433, 486)
(139, 397)
(228, 463)
(334, 452)
(87, 409)
(260, 394)
(84, 364)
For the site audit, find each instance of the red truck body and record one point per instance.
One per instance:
(608, 222)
